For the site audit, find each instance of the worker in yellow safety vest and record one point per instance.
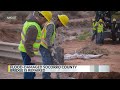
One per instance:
(47, 41)
(100, 29)
(94, 29)
(31, 38)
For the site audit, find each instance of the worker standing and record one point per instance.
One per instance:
(31, 38)
(114, 31)
(100, 38)
(47, 41)
(94, 29)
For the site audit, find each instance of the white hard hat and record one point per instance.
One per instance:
(114, 19)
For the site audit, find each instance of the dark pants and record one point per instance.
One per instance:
(114, 37)
(47, 60)
(27, 61)
(100, 38)
(94, 35)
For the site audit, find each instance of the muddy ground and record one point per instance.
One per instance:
(11, 33)
(113, 59)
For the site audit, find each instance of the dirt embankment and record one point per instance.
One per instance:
(10, 32)
(10, 28)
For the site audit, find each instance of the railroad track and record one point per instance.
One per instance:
(10, 50)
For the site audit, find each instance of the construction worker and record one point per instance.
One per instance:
(94, 23)
(99, 37)
(47, 41)
(31, 38)
(114, 31)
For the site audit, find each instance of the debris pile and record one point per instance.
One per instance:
(93, 49)
(88, 52)
(81, 56)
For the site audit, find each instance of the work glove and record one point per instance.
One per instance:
(52, 50)
(34, 59)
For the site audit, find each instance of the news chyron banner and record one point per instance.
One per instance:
(58, 68)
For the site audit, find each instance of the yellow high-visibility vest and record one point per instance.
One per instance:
(36, 45)
(44, 31)
(100, 28)
(94, 24)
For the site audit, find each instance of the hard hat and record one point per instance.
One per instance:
(100, 20)
(63, 19)
(47, 15)
(114, 19)
(93, 19)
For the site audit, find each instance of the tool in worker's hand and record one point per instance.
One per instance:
(54, 60)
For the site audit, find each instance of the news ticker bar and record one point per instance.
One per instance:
(58, 68)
